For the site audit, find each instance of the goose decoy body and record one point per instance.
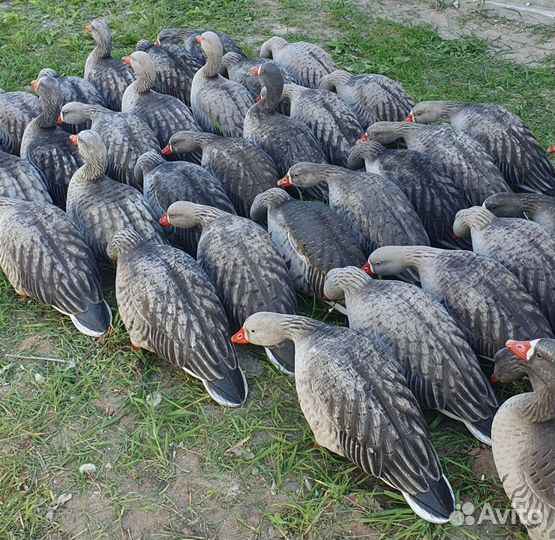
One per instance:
(307, 62)
(243, 168)
(332, 123)
(520, 245)
(47, 146)
(163, 113)
(434, 196)
(167, 182)
(373, 98)
(441, 369)
(20, 180)
(375, 208)
(310, 236)
(101, 206)
(218, 104)
(169, 307)
(245, 267)
(523, 434)
(504, 136)
(45, 257)
(17, 109)
(109, 75)
(486, 300)
(506, 367)
(462, 158)
(125, 135)
(357, 404)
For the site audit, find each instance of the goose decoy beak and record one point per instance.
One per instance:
(410, 117)
(198, 38)
(325, 298)
(493, 379)
(362, 139)
(35, 85)
(258, 99)
(88, 28)
(157, 43)
(285, 181)
(522, 349)
(165, 221)
(551, 149)
(240, 338)
(167, 150)
(126, 60)
(60, 120)
(255, 71)
(367, 267)
(74, 140)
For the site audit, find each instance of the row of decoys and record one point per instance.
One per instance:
(207, 152)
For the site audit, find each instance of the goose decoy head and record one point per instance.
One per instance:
(271, 198)
(475, 218)
(264, 328)
(272, 80)
(392, 260)
(74, 113)
(122, 242)
(507, 367)
(186, 215)
(100, 32)
(211, 44)
(515, 204)
(48, 72)
(305, 174)
(383, 132)
(187, 142)
(270, 47)
(340, 280)
(551, 149)
(142, 64)
(427, 112)
(91, 147)
(538, 358)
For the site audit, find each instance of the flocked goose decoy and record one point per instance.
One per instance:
(486, 300)
(245, 267)
(462, 158)
(357, 404)
(441, 369)
(373, 98)
(47, 146)
(307, 62)
(125, 136)
(167, 303)
(19, 179)
(17, 109)
(503, 134)
(520, 245)
(218, 104)
(101, 206)
(109, 75)
(523, 434)
(243, 168)
(310, 236)
(45, 257)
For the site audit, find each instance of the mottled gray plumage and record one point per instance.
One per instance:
(19, 179)
(17, 109)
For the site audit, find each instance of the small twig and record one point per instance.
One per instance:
(22, 357)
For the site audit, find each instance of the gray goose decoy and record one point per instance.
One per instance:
(373, 98)
(507, 367)
(101, 206)
(47, 146)
(310, 236)
(218, 104)
(520, 245)
(45, 257)
(125, 136)
(375, 208)
(17, 109)
(357, 404)
(441, 369)
(169, 307)
(333, 125)
(164, 114)
(434, 196)
(533, 206)
(109, 75)
(462, 158)
(486, 300)
(244, 169)
(245, 267)
(523, 434)
(504, 136)
(307, 62)
(167, 182)
(19, 179)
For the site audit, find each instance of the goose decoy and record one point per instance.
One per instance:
(218, 104)
(441, 369)
(520, 245)
(310, 236)
(373, 98)
(504, 136)
(20, 180)
(333, 125)
(74, 88)
(244, 169)
(101, 206)
(357, 404)
(533, 206)
(164, 114)
(486, 300)
(45, 257)
(47, 146)
(167, 182)
(462, 158)
(169, 307)
(125, 136)
(245, 267)
(434, 196)
(17, 109)
(523, 434)
(506, 367)
(307, 62)
(109, 75)
(375, 208)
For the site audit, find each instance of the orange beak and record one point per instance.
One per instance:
(519, 348)
(285, 181)
(367, 267)
(59, 121)
(157, 43)
(362, 139)
(88, 28)
(240, 338)
(410, 118)
(126, 60)
(35, 85)
(74, 140)
(325, 298)
(198, 38)
(258, 99)
(164, 221)
(551, 149)
(167, 150)
(256, 71)
(493, 379)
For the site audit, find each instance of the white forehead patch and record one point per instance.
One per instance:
(531, 350)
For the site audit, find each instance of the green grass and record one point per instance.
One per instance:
(188, 467)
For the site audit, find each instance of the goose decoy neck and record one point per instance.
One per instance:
(191, 141)
(122, 242)
(103, 39)
(185, 214)
(272, 46)
(51, 98)
(475, 218)
(363, 153)
(269, 199)
(146, 163)
(229, 59)
(393, 260)
(272, 92)
(144, 68)
(213, 49)
(427, 112)
(94, 154)
(335, 80)
(342, 281)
